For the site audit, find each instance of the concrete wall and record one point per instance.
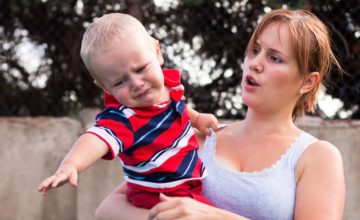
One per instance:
(32, 148)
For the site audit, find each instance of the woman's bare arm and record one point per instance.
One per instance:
(187, 208)
(321, 185)
(117, 207)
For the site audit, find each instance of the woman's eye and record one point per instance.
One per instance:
(276, 59)
(255, 50)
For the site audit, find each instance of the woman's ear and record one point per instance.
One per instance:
(311, 82)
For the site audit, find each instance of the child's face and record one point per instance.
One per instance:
(131, 72)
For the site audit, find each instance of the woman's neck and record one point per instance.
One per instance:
(268, 124)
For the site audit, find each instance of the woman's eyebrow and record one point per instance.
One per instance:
(270, 49)
(273, 50)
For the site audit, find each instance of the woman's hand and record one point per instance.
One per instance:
(187, 208)
(179, 208)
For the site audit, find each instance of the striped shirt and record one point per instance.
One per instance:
(156, 144)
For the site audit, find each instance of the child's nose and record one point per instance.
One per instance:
(137, 82)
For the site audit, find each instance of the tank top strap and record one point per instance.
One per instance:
(209, 148)
(298, 147)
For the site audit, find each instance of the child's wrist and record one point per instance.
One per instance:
(194, 124)
(69, 165)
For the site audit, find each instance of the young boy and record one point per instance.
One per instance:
(145, 122)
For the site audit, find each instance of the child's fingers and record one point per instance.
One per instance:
(214, 125)
(58, 179)
(73, 179)
(208, 132)
(220, 126)
(44, 186)
(54, 181)
(46, 183)
(43, 191)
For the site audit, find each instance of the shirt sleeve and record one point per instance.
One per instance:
(114, 129)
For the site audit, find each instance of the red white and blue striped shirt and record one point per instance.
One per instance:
(156, 144)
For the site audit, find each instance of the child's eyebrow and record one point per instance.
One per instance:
(140, 64)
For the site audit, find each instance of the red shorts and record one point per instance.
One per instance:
(147, 199)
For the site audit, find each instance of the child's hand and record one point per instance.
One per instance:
(205, 121)
(65, 173)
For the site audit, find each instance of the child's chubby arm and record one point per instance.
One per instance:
(203, 121)
(86, 150)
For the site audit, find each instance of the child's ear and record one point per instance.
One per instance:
(311, 82)
(98, 84)
(158, 52)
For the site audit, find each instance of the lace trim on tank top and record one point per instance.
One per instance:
(210, 148)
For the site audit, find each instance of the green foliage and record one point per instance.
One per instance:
(298, 4)
(222, 29)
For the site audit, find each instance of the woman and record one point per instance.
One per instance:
(265, 167)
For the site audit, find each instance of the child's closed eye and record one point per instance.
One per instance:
(120, 82)
(140, 69)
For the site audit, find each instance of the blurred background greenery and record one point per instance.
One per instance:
(41, 72)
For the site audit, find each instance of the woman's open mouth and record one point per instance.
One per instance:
(251, 81)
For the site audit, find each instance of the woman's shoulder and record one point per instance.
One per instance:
(321, 149)
(225, 130)
(320, 154)
(229, 128)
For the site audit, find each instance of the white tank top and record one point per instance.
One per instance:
(267, 194)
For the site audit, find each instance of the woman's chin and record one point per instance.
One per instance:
(248, 101)
(251, 103)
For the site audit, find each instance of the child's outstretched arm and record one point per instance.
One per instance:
(87, 149)
(203, 121)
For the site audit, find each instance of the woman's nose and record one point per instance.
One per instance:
(256, 64)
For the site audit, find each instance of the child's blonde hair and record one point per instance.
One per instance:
(311, 43)
(105, 32)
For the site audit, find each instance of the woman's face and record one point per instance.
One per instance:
(271, 79)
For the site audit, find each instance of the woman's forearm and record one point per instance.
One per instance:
(186, 208)
(117, 207)
(223, 214)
